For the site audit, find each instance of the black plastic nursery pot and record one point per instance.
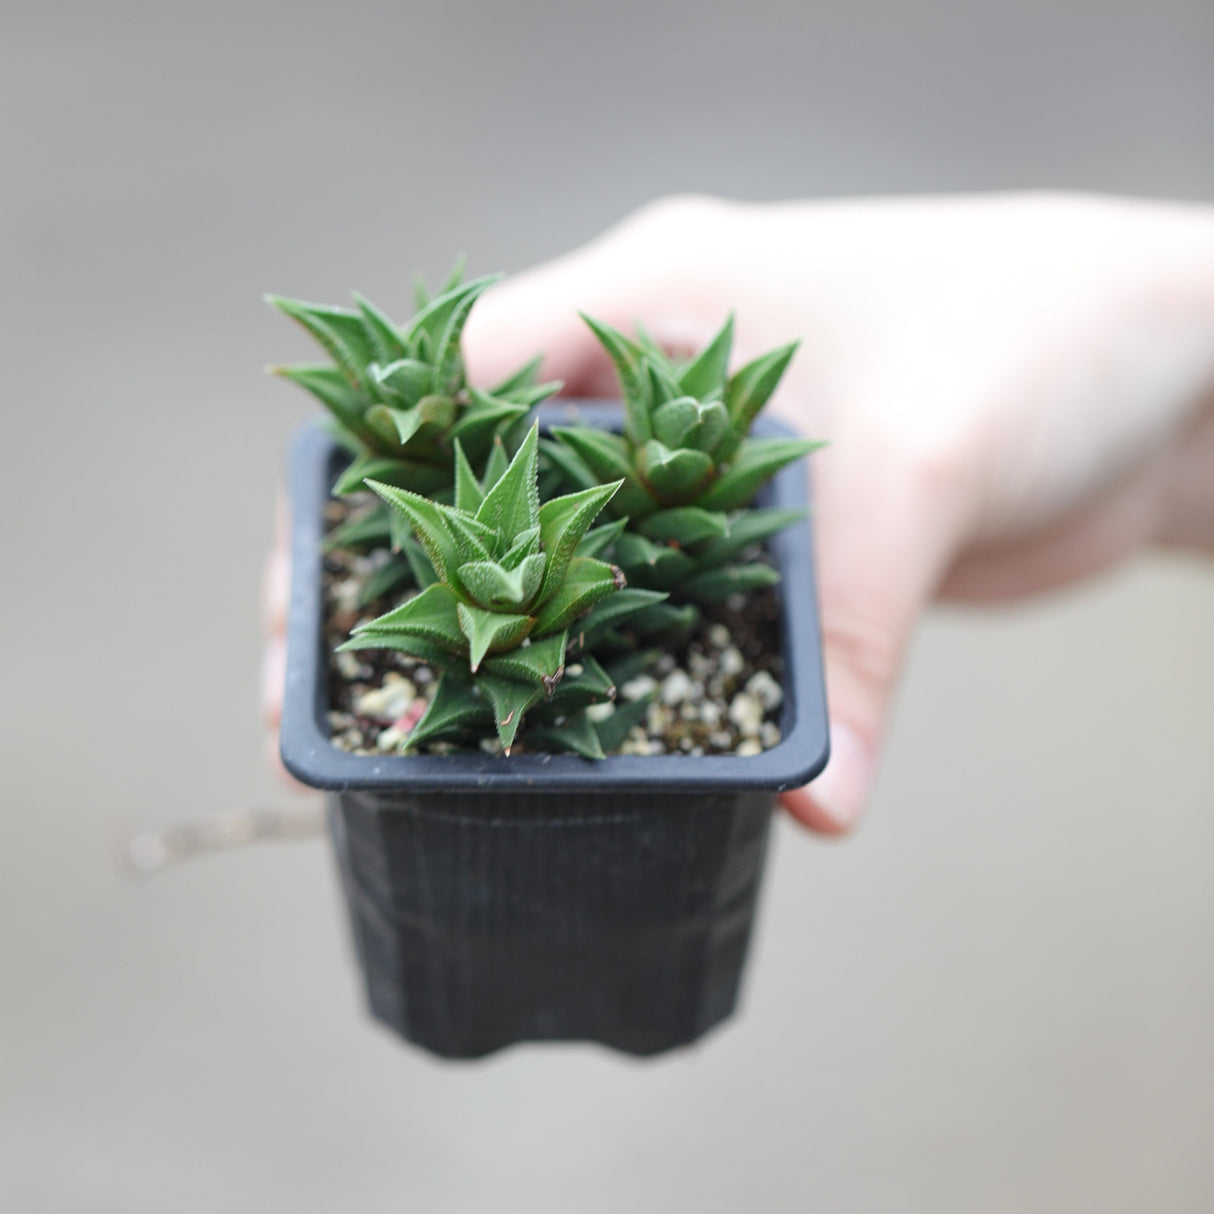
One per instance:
(546, 897)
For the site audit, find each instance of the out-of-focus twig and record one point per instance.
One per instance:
(152, 852)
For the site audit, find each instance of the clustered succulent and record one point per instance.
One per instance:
(398, 395)
(688, 467)
(515, 605)
(510, 580)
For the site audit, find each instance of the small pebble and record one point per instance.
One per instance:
(710, 713)
(718, 636)
(599, 712)
(390, 739)
(389, 702)
(732, 662)
(349, 667)
(666, 663)
(676, 687)
(639, 688)
(748, 747)
(746, 713)
(769, 734)
(766, 690)
(658, 719)
(345, 594)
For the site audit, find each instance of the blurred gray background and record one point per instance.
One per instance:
(998, 997)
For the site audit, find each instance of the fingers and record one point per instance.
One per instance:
(649, 268)
(886, 528)
(276, 591)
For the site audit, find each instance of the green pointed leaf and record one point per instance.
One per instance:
(385, 339)
(412, 644)
(654, 353)
(456, 274)
(490, 586)
(526, 544)
(468, 495)
(421, 293)
(447, 358)
(394, 427)
(705, 376)
(473, 540)
(513, 504)
(610, 613)
(483, 420)
(400, 473)
(572, 469)
(656, 566)
(432, 320)
(426, 519)
(586, 582)
(541, 662)
(525, 377)
(714, 585)
(419, 563)
(456, 705)
(496, 465)
(386, 578)
(575, 734)
(338, 330)
(491, 631)
(686, 422)
(666, 621)
(675, 419)
(332, 388)
(590, 685)
(745, 529)
(687, 526)
(510, 701)
(431, 614)
(663, 386)
(606, 455)
(758, 460)
(626, 356)
(530, 397)
(365, 530)
(612, 731)
(748, 391)
(404, 381)
(563, 522)
(625, 668)
(600, 541)
(676, 476)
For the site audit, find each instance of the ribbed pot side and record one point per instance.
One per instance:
(489, 918)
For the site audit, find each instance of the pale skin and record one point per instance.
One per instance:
(1018, 392)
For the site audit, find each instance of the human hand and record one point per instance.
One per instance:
(1018, 391)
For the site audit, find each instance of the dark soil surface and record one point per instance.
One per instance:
(718, 692)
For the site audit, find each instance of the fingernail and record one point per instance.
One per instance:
(841, 791)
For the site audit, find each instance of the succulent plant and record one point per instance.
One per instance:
(398, 395)
(687, 467)
(511, 590)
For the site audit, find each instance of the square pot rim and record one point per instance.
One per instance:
(308, 754)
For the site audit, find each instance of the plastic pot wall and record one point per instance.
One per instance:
(534, 898)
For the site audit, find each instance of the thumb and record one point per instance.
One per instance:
(885, 530)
